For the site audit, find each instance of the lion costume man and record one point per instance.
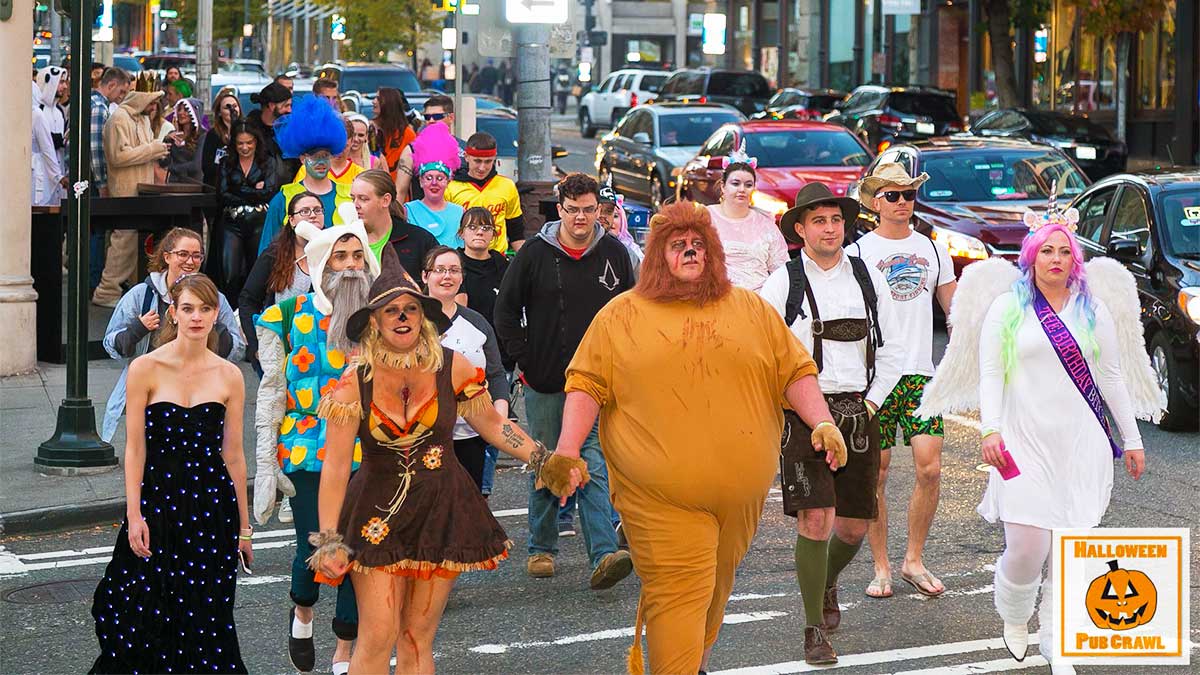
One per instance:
(687, 374)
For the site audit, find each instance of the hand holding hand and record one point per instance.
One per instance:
(827, 438)
(1135, 462)
(562, 474)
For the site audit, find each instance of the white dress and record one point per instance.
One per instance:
(754, 247)
(1059, 447)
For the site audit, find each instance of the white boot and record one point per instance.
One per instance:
(1014, 603)
(1046, 626)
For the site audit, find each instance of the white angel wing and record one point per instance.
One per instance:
(1113, 285)
(955, 384)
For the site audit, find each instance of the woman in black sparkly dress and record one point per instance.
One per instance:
(165, 604)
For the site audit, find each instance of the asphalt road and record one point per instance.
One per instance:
(505, 622)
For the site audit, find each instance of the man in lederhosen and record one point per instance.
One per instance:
(841, 309)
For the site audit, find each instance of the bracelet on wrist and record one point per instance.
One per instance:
(245, 537)
(987, 431)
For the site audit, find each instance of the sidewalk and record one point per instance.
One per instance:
(31, 501)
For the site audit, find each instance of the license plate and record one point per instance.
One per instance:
(1085, 152)
(925, 128)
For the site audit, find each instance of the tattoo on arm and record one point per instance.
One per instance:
(512, 437)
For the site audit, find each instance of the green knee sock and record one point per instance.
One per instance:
(840, 555)
(811, 558)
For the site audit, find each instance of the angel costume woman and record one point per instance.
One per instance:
(1061, 345)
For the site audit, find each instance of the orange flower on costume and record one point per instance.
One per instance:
(324, 324)
(303, 359)
(307, 422)
(433, 458)
(375, 530)
(300, 301)
(329, 386)
(282, 453)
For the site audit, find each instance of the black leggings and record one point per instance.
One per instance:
(469, 452)
(239, 250)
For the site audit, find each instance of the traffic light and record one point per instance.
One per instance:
(444, 5)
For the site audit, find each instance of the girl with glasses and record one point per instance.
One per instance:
(141, 313)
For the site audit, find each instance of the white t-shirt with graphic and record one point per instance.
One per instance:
(914, 268)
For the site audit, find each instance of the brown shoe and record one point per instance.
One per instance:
(612, 568)
(540, 565)
(830, 612)
(817, 650)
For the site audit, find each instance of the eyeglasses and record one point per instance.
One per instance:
(310, 211)
(183, 256)
(451, 271)
(434, 177)
(436, 116)
(480, 228)
(894, 196)
(576, 210)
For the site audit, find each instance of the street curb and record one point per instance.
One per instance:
(53, 518)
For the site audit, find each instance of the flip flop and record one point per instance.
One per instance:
(880, 583)
(918, 581)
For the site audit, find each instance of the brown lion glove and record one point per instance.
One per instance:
(555, 473)
(829, 437)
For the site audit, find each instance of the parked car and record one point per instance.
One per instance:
(128, 63)
(643, 152)
(884, 116)
(1151, 223)
(620, 91)
(745, 90)
(1091, 145)
(978, 191)
(790, 154)
(801, 104)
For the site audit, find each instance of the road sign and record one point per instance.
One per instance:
(535, 11)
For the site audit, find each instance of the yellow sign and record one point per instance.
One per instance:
(1121, 596)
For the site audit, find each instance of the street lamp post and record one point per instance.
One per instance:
(75, 447)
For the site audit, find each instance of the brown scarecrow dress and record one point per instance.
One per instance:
(411, 509)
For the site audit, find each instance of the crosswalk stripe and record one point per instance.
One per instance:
(874, 658)
(995, 666)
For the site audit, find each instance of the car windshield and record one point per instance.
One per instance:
(738, 84)
(683, 129)
(369, 81)
(1180, 212)
(653, 83)
(822, 102)
(806, 148)
(998, 175)
(937, 106)
(504, 130)
(1063, 125)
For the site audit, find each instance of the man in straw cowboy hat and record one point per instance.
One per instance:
(919, 272)
(843, 313)
(685, 374)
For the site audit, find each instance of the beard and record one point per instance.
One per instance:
(347, 291)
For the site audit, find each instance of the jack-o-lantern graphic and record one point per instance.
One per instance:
(1121, 599)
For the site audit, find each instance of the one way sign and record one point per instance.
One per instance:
(535, 11)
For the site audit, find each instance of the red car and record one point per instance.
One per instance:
(790, 154)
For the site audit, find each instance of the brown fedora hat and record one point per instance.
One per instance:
(810, 195)
(393, 282)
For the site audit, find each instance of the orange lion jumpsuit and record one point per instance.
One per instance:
(690, 420)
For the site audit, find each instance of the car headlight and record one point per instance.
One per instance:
(1189, 302)
(764, 201)
(961, 245)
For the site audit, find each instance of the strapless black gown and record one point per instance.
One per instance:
(173, 612)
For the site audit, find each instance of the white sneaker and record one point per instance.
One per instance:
(285, 511)
(1016, 638)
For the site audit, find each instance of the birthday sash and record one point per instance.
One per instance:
(1071, 356)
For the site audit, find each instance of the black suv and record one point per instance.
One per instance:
(745, 90)
(1150, 222)
(801, 104)
(1089, 144)
(884, 116)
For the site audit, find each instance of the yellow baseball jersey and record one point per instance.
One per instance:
(498, 195)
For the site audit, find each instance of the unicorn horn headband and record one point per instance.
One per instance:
(1053, 214)
(739, 156)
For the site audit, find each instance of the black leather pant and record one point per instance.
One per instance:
(238, 253)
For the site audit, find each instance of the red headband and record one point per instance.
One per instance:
(479, 152)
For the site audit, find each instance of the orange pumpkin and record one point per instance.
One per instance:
(1121, 599)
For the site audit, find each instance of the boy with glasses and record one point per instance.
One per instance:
(919, 272)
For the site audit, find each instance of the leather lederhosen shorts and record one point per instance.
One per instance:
(807, 482)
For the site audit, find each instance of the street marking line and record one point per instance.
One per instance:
(755, 596)
(874, 658)
(613, 633)
(74, 562)
(10, 563)
(251, 580)
(504, 513)
(996, 666)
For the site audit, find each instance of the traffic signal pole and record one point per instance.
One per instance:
(534, 162)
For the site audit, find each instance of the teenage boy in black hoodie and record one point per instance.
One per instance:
(558, 282)
(478, 184)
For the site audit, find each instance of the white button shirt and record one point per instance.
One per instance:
(838, 296)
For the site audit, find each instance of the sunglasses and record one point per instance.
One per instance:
(894, 196)
(229, 106)
(435, 116)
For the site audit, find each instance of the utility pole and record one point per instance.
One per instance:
(56, 27)
(533, 101)
(204, 52)
(75, 447)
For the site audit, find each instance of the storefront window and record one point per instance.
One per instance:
(1147, 70)
(841, 50)
(900, 65)
(1063, 34)
(743, 36)
(1166, 59)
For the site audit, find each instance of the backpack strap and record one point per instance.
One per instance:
(795, 298)
(871, 301)
(149, 297)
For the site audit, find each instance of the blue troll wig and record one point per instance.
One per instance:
(312, 125)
